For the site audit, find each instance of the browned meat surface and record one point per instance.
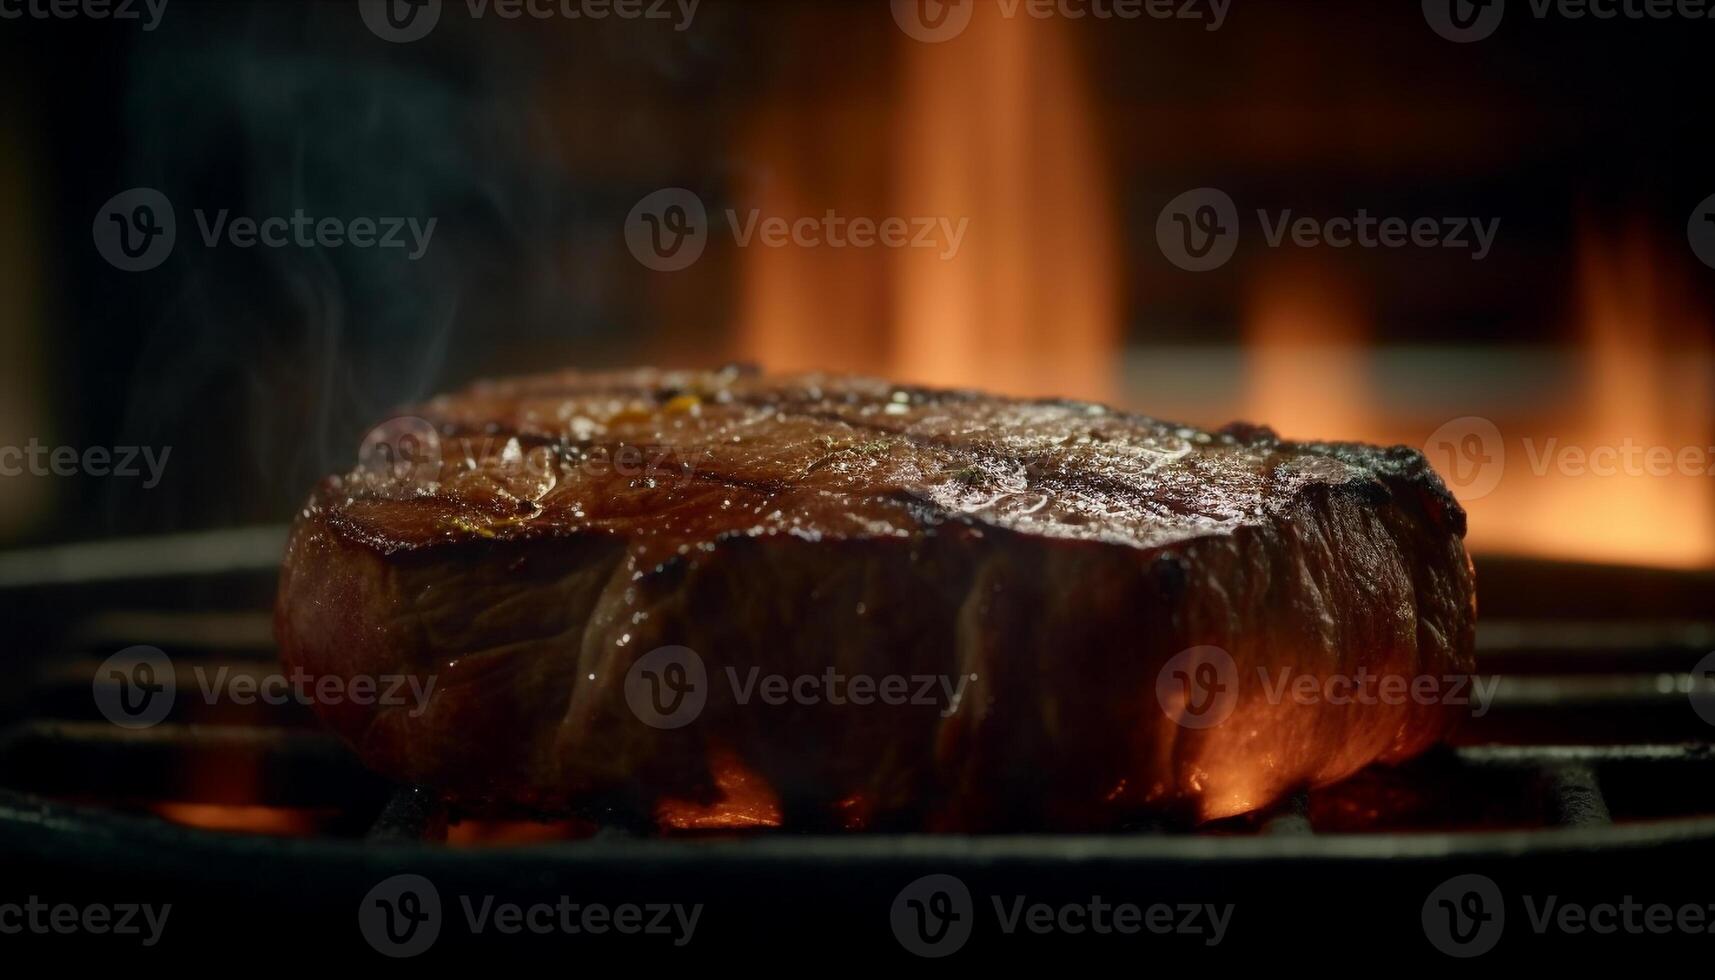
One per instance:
(1040, 563)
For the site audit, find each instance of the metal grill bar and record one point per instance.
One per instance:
(1605, 682)
(201, 763)
(1291, 818)
(412, 813)
(1578, 796)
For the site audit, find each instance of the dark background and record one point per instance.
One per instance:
(531, 141)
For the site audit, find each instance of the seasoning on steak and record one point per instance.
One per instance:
(1024, 579)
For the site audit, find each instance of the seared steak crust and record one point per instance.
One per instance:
(1043, 562)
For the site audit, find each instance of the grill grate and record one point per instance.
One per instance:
(1590, 762)
(1579, 709)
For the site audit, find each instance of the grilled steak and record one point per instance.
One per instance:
(836, 602)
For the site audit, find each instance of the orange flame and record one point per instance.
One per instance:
(988, 126)
(995, 126)
(1306, 364)
(1646, 383)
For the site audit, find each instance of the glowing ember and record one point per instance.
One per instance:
(243, 818)
(486, 833)
(746, 801)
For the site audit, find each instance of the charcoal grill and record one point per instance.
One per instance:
(1590, 778)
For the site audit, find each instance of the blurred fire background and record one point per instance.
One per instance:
(1060, 139)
